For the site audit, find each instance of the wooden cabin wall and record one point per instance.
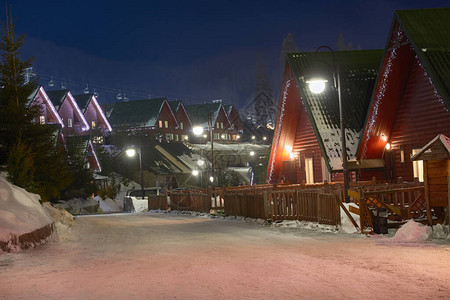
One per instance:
(420, 117)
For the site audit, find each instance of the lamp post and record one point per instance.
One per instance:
(131, 152)
(198, 130)
(317, 86)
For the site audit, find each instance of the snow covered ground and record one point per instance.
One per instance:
(181, 256)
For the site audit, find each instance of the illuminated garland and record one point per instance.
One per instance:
(278, 129)
(396, 43)
(435, 92)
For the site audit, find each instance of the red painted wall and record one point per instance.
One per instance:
(420, 117)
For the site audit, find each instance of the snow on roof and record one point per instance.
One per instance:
(20, 211)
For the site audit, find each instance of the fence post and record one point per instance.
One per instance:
(266, 205)
(318, 206)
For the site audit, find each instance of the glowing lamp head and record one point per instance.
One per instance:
(198, 130)
(130, 152)
(195, 172)
(288, 148)
(291, 155)
(211, 179)
(316, 86)
(252, 153)
(200, 162)
(388, 146)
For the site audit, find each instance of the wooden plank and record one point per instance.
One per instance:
(438, 180)
(348, 214)
(353, 194)
(427, 193)
(354, 210)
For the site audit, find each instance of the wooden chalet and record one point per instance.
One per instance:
(151, 115)
(236, 125)
(74, 122)
(99, 124)
(411, 101)
(306, 144)
(184, 123)
(84, 144)
(221, 126)
(48, 113)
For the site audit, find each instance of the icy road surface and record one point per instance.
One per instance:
(169, 256)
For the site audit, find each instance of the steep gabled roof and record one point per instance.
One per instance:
(47, 100)
(358, 72)
(175, 106)
(84, 143)
(422, 34)
(83, 101)
(57, 97)
(438, 148)
(428, 31)
(198, 113)
(139, 113)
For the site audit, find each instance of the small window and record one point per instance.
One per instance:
(402, 156)
(217, 125)
(93, 124)
(166, 124)
(160, 124)
(69, 123)
(417, 166)
(169, 137)
(221, 125)
(176, 137)
(216, 136)
(41, 119)
(309, 170)
(98, 140)
(181, 125)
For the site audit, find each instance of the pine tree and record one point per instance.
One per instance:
(20, 136)
(288, 46)
(264, 105)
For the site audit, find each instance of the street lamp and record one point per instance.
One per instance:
(131, 152)
(317, 85)
(198, 130)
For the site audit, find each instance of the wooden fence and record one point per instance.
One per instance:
(286, 203)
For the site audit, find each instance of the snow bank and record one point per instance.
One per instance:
(347, 225)
(20, 214)
(140, 205)
(412, 232)
(109, 205)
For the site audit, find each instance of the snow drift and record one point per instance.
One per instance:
(412, 232)
(23, 220)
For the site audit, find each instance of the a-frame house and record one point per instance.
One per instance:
(47, 111)
(181, 133)
(411, 101)
(99, 124)
(306, 145)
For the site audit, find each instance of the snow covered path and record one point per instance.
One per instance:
(169, 256)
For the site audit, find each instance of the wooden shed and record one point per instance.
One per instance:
(436, 169)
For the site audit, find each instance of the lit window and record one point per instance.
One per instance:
(169, 137)
(216, 136)
(417, 166)
(309, 170)
(93, 124)
(41, 119)
(181, 125)
(160, 124)
(69, 122)
(98, 140)
(185, 137)
(166, 124)
(217, 125)
(221, 125)
(402, 156)
(176, 137)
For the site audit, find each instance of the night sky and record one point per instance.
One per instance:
(195, 51)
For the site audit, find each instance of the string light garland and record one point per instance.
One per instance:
(278, 128)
